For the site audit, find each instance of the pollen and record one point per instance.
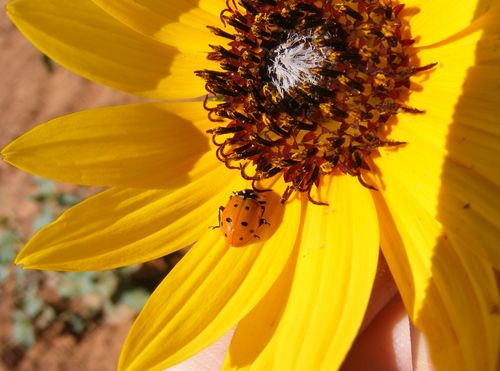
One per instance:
(293, 62)
(306, 88)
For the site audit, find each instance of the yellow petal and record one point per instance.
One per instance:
(440, 288)
(426, 17)
(475, 325)
(123, 227)
(331, 287)
(468, 145)
(255, 330)
(143, 145)
(451, 162)
(212, 6)
(209, 291)
(469, 209)
(181, 24)
(456, 195)
(481, 279)
(440, 89)
(413, 281)
(85, 39)
(466, 66)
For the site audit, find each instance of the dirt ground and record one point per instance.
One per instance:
(31, 94)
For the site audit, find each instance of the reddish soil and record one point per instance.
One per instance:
(30, 94)
(98, 350)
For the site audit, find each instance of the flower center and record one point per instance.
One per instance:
(291, 64)
(307, 87)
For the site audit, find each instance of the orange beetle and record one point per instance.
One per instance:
(241, 217)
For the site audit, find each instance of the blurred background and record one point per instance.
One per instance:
(50, 320)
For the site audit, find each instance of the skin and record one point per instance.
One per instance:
(387, 340)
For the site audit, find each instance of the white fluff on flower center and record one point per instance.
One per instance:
(293, 61)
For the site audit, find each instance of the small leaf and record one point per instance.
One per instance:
(4, 273)
(23, 332)
(48, 63)
(32, 304)
(45, 217)
(76, 284)
(128, 270)
(76, 323)
(4, 221)
(134, 298)
(45, 318)
(19, 274)
(45, 186)
(106, 283)
(40, 198)
(9, 242)
(67, 199)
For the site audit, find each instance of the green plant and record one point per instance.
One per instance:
(75, 299)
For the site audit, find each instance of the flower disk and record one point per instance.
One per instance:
(307, 87)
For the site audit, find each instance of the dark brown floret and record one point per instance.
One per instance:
(327, 118)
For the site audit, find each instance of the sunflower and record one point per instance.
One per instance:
(370, 125)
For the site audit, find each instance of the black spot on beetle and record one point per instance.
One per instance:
(247, 208)
(229, 220)
(235, 205)
(244, 224)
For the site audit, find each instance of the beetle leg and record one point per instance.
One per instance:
(221, 209)
(258, 190)
(263, 221)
